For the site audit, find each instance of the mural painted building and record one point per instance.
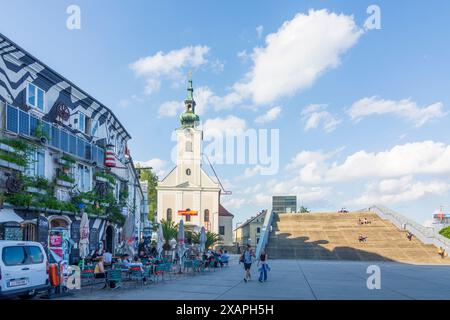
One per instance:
(61, 151)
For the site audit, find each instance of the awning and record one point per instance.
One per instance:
(9, 215)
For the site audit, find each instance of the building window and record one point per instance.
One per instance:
(188, 146)
(83, 177)
(222, 230)
(188, 172)
(169, 214)
(188, 218)
(29, 232)
(95, 128)
(35, 97)
(206, 215)
(36, 164)
(81, 122)
(257, 240)
(258, 230)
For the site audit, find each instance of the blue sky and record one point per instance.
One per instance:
(362, 114)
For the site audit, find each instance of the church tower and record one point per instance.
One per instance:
(189, 142)
(187, 192)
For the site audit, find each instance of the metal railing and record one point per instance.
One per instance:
(265, 231)
(425, 234)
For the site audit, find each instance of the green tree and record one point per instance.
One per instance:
(445, 232)
(211, 238)
(304, 209)
(152, 179)
(170, 230)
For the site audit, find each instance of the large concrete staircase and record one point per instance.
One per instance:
(332, 236)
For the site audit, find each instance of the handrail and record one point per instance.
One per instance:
(426, 234)
(265, 231)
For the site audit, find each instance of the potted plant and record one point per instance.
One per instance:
(41, 134)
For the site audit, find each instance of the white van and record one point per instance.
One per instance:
(23, 269)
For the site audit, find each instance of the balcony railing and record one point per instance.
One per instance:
(25, 124)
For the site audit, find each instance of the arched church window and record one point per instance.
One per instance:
(188, 146)
(188, 172)
(206, 215)
(169, 214)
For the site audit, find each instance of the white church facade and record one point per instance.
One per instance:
(187, 192)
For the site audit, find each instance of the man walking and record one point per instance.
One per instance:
(247, 259)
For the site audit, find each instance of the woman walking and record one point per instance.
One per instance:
(264, 266)
(247, 258)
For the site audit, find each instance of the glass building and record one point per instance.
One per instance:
(284, 204)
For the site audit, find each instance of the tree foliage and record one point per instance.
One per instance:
(152, 179)
(211, 238)
(445, 232)
(170, 230)
(304, 209)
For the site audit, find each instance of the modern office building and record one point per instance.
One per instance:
(61, 152)
(284, 204)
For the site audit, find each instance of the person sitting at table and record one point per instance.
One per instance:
(126, 260)
(137, 265)
(107, 258)
(224, 257)
(99, 271)
(96, 255)
(153, 251)
(143, 255)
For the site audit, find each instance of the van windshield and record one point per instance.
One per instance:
(14, 256)
(22, 255)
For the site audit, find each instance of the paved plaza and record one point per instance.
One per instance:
(293, 279)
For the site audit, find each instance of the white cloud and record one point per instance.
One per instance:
(253, 189)
(134, 99)
(427, 157)
(220, 127)
(391, 191)
(158, 166)
(151, 86)
(259, 31)
(204, 98)
(243, 55)
(170, 65)
(171, 108)
(166, 63)
(405, 108)
(297, 54)
(234, 203)
(315, 115)
(251, 172)
(269, 116)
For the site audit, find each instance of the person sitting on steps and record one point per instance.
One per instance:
(362, 238)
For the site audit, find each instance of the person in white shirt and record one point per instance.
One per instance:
(107, 257)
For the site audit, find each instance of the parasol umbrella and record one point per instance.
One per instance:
(128, 235)
(160, 243)
(84, 237)
(180, 241)
(202, 239)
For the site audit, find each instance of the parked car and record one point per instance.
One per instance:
(23, 269)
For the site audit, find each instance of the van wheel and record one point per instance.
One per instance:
(27, 296)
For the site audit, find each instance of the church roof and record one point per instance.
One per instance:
(224, 212)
